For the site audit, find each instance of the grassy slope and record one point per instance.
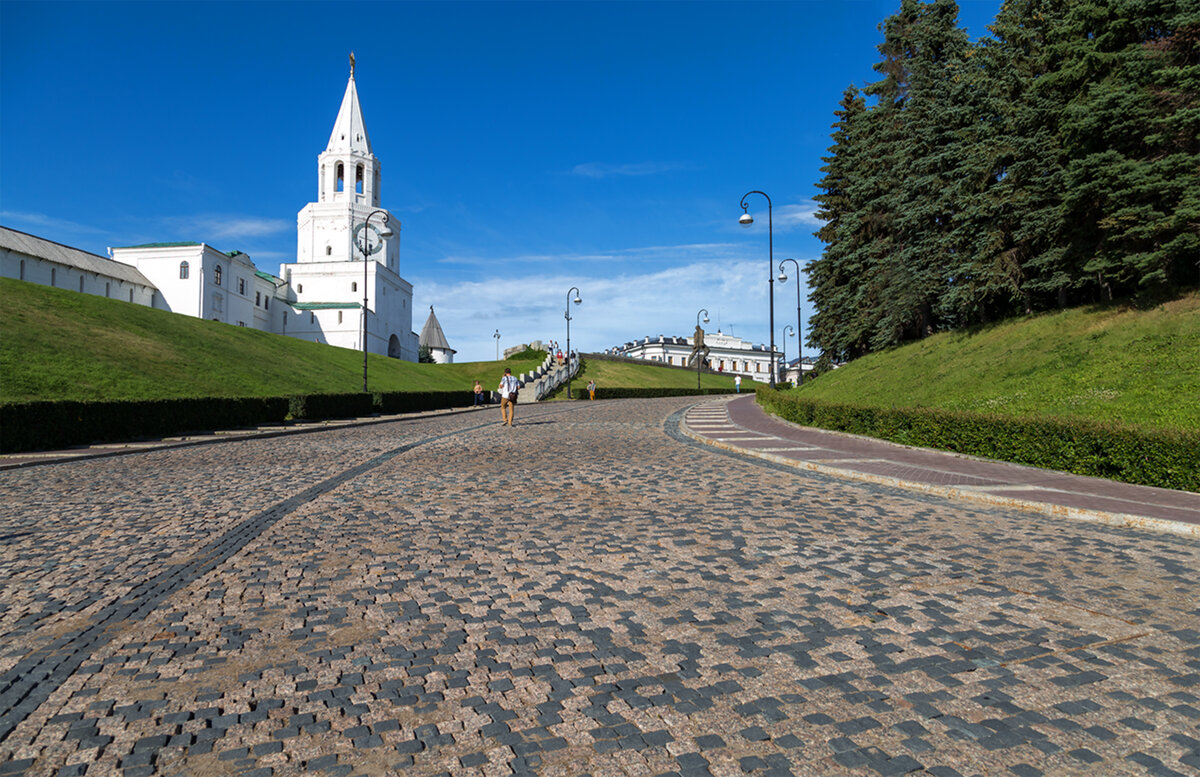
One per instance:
(1140, 367)
(58, 344)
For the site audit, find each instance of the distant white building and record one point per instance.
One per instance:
(726, 354)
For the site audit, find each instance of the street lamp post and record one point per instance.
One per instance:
(699, 358)
(746, 220)
(783, 346)
(799, 329)
(365, 248)
(497, 336)
(567, 315)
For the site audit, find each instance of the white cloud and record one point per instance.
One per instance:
(619, 305)
(607, 170)
(217, 227)
(41, 221)
(793, 216)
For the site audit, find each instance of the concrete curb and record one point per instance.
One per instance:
(1120, 520)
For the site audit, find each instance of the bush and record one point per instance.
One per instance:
(1151, 457)
(29, 426)
(348, 405)
(26, 426)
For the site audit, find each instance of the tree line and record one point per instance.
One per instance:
(1054, 162)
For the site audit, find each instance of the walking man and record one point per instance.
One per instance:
(508, 397)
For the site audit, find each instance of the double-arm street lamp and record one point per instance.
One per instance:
(567, 315)
(497, 336)
(746, 220)
(699, 355)
(783, 346)
(799, 329)
(365, 247)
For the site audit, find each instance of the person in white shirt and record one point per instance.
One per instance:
(508, 397)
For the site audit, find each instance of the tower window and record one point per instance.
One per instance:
(241, 285)
(329, 250)
(183, 271)
(217, 275)
(300, 288)
(267, 305)
(257, 298)
(358, 179)
(339, 316)
(353, 286)
(341, 177)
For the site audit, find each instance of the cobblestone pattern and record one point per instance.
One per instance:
(582, 594)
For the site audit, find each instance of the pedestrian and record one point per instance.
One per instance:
(508, 397)
(737, 384)
(592, 389)
(478, 394)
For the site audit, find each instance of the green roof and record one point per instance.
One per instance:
(266, 276)
(326, 305)
(162, 245)
(232, 254)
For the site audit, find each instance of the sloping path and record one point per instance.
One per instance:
(740, 424)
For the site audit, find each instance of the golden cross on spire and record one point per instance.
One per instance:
(352, 64)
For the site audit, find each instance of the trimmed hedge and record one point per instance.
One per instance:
(26, 426)
(31, 426)
(1151, 457)
(643, 393)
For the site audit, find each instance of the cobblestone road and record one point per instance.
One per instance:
(586, 593)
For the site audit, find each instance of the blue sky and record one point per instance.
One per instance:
(526, 147)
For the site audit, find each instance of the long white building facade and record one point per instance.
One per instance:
(320, 297)
(726, 354)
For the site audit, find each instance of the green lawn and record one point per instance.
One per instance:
(58, 344)
(1140, 367)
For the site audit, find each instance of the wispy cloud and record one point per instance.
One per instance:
(793, 216)
(219, 227)
(608, 170)
(687, 252)
(44, 222)
(619, 304)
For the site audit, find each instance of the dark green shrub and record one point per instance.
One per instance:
(349, 405)
(28, 426)
(1152, 457)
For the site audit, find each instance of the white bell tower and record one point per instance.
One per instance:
(331, 278)
(348, 189)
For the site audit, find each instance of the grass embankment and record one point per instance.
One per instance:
(61, 345)
(620, 375)
(1111, 364)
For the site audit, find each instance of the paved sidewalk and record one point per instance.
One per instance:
(740, 424)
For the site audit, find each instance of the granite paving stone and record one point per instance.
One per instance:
(589, 592)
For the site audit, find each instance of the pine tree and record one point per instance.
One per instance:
(836, 277)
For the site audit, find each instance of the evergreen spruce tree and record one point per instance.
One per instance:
(836, 277)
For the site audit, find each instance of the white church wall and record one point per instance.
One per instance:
(28, 267)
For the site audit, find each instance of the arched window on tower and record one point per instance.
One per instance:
(341, 177)
(358, 179)
(183, 271)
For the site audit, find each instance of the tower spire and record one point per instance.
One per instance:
(352, 64)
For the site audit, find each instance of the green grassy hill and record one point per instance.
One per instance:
(58, 344)
(1139, 367)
